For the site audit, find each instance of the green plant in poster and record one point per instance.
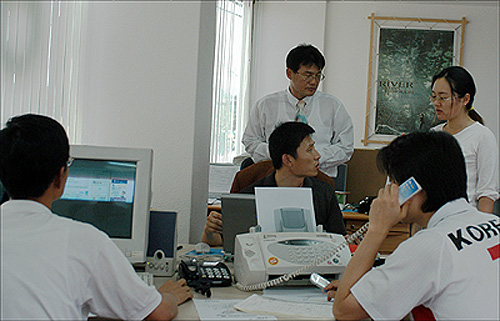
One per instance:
(408, 58)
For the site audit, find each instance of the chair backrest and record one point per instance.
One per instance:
(253, 173)
(496, 207)
(4, 197)
(341, 179)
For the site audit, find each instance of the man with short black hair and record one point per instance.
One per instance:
(54, 268)
(334, 131)
(296, 162)
(450, 270)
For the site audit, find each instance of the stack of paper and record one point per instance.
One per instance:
(268, 305)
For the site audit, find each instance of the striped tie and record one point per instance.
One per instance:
(301, 115)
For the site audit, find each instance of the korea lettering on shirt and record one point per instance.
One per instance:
(475, 234)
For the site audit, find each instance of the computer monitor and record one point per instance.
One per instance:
(110, 188)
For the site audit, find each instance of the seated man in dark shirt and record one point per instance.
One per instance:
(296, 162)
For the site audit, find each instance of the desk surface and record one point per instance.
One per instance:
(187, 311)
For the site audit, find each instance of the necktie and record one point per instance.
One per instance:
(301, 115)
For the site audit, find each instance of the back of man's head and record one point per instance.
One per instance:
(33, 149)
(285, 139)
(304, 55)
(434, 159)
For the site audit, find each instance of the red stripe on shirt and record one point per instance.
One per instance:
(422, 313)
(494, 252)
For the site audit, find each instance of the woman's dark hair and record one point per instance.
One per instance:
(33, 149)
(434, 159)
(285, 139)
(304, 55)
(461, 83)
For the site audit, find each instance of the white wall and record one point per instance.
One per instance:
(141, 89)
(149, 66)
(346, 33)
(278, 28)
(348, 29)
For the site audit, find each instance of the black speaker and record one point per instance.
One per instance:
(162, 246)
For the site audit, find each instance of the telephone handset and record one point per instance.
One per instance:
(191, 272)
(216, 273)
(406, 190)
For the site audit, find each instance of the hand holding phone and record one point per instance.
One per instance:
(384, 212)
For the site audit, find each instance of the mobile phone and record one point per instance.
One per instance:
(318, 280)
(406, 190)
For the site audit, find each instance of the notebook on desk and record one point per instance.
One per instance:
(238, 215)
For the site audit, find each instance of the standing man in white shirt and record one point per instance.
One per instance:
(54, 268)
(301, 101)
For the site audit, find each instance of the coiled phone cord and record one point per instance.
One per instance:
(286, 277)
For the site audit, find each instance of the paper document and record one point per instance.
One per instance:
(304, 294)
(221, 310)
(285, 209)
(220, 179)
(267, 305)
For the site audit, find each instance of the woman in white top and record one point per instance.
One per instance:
(453, 91)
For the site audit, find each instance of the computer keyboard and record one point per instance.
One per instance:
(147, 277)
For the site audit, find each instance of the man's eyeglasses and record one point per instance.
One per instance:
(441, 100)
(69, 162)
(309, 77)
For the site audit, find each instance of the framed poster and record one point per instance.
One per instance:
(404, 55)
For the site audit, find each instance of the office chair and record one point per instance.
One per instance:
(4, 197)
(341, 179)
(253, 173)
(340, 183)
(246, 162)
(496, 207)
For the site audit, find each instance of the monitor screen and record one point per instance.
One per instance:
(110, 188)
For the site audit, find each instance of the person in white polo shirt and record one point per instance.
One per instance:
(450, 270)
(53, 268)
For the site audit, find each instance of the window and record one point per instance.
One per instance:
(40, 54)
(231, 69)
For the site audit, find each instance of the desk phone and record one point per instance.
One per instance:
(217, 273)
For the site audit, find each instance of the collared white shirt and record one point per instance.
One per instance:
(480, 151)
(54, 268)
(334, 131)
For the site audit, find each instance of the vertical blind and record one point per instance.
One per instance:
(41, 44)
(231, 74)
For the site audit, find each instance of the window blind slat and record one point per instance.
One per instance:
(231, 65)
(40, 55)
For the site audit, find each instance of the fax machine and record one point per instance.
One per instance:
(264, 256)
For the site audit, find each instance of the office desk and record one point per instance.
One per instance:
(187, 311)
